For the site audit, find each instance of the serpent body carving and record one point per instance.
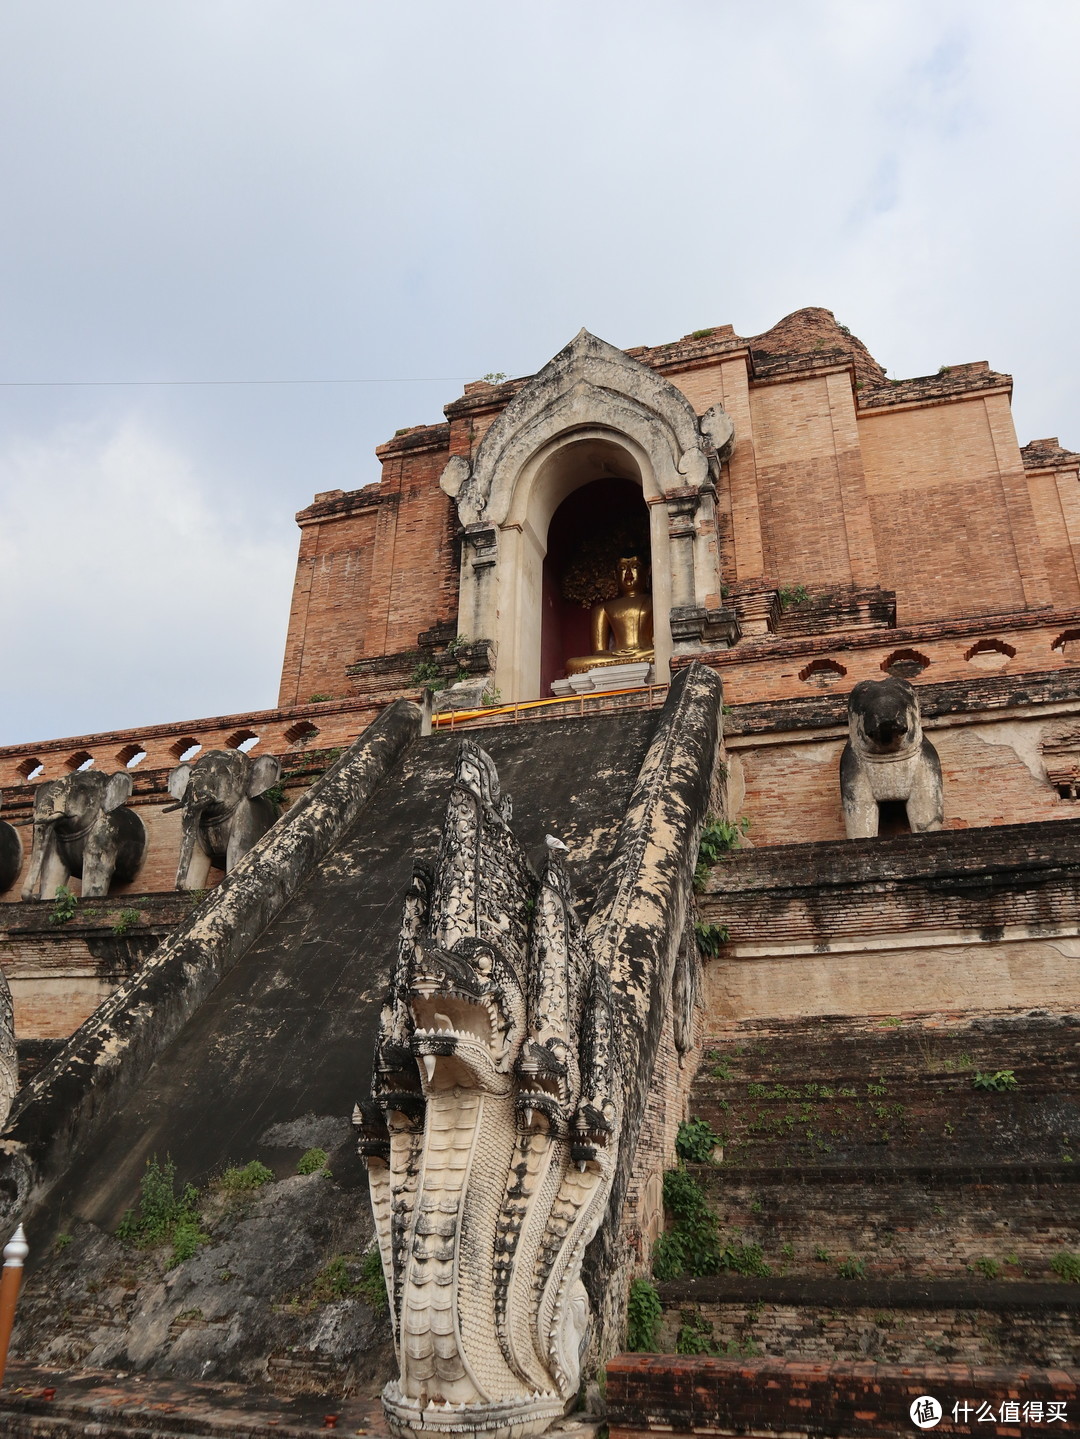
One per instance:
(491, 1130)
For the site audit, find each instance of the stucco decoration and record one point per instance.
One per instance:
(588, 383)
(82, 827)
(491, 1129)
(887, 757)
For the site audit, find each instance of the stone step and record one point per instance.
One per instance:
(662, 1393)
(929, 1221)
(901, 1321)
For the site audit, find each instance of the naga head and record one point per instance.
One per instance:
(468, 1014)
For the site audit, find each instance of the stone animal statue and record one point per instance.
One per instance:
(887, 757)
(82, 827)
(226, 810)
(491, 1132)
(11, 855)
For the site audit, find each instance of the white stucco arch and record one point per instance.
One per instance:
(590, 392)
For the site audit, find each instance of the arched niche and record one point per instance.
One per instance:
(591, 411)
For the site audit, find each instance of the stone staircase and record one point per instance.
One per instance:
(895, 1211)
(883, 1210)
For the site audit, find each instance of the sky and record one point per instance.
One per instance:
(406, 197)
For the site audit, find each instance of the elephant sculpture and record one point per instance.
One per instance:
(226, 810)
(82, 827)
(887, 757)
(11, 855)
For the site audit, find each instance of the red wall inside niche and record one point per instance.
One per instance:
(601, 505)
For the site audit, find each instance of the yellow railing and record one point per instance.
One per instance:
(571, 704)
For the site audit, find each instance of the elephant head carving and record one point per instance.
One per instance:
(226, 810)
(82, 827)
(11, 855)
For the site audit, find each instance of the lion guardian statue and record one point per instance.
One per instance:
(887, 757)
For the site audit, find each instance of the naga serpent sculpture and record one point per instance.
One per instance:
(491, 1130)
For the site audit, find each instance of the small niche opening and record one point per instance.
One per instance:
(185, 749)
(892, 818)
(131, 755)
(904, 664)
(244, 740)
(301, 733)
(30, 768)
(80, 761)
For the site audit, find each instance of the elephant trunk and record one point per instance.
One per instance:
(44, 843)
(193, 815)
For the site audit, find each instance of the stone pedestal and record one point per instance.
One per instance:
(606, 677)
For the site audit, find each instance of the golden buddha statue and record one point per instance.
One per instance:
(625, 622)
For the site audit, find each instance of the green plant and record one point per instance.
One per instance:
(890, 1023)
(493, 377)
(718, 839)
(1067, 1266)
(163, 1216)
(313, 1161)
(424, 673)
(695, 1141)
(852, 1269)
(317, 699)
(457, 644)
(693, 1245)
(987, 1267)
(793, 595)
(722, 1070)
(643, 1315)
(125, 920)
(244, 1178)
(943, 369)
(65, 903)
(62, 1242)
(696, 1336)
(196, 897)
(276, 794)
(821, 1254)
(490, 697)
(332, 1281)
(701, 334)
(710, 937)
(998, 1082)
(372, 1282)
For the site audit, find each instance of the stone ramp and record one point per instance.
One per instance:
(289, 1032)
(271, 1062)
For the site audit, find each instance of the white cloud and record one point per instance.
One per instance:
(131, 595)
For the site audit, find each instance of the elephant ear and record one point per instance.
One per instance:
(118, 790)
(178, 780)
(43, 795)
(265, 772)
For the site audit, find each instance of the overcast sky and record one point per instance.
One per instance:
(414, 194)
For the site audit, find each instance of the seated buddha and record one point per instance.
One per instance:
(621, 628)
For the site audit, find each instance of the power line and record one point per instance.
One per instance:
(380, 380)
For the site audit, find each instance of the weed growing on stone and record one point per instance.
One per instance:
(852, 1269)
(62, 1242)
(317, 699)
(718, 839)
(1000, 1082)
(696, 1336)
(372, 1282)
(643, 1314)
(162, 1216)
(987, 1267)
(65, 903)
(125, 920)
(1067, 1266)
(710, 938)
(243, 1179)
(695, 1141)
(313, 1161)
(693, 1244)
(793, 595)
